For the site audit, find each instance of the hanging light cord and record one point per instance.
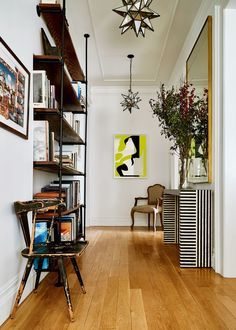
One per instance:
(130, 56)
(130, 82)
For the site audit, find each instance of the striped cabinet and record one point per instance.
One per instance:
(195, 228)
(188, 222)
(171, 217)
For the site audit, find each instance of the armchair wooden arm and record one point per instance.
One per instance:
(139, 198)
(159, 201)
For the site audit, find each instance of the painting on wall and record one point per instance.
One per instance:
(130, 159)
(14, 92)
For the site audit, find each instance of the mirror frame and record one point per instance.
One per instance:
(207, 23)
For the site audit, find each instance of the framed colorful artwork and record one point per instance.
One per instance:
(130, 159)
(14, 92)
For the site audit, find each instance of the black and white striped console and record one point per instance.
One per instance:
(171, 216)
(188, 222)
(195, 228)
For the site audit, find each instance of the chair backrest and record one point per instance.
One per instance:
(154, 192)
(23, 208)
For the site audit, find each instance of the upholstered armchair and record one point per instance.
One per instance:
(153, 206)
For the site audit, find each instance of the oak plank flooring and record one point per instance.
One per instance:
(133, 282)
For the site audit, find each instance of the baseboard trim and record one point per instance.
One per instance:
(140, 220)
(8, 294)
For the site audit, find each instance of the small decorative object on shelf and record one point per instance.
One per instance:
(183, 119)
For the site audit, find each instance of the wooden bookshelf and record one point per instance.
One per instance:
(53, 17)
(52, 65)
(62, 70)
(53, 117)
(53, 167)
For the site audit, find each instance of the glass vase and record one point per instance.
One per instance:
(183, 173)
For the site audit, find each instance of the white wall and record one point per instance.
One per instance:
(229, 155)
(110, 200)
(20, 29)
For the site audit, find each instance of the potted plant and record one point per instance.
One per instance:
(182, 117)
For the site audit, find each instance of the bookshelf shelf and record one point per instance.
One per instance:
(53, 167)
(53, 17)
(52, 116)
(52, 65)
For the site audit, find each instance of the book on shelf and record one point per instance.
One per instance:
(74, 189)
(66, 228)
(65, 189)
(53, 104)
(41, 236)
(40, 140)
(51, 146)
(50, 195)
(82, 102)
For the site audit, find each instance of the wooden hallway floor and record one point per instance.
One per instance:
(133, 281)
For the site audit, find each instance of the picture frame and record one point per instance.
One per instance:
(130, 156)
(14, 92)
(40, 89)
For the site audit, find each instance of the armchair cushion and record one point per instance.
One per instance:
(147, 208)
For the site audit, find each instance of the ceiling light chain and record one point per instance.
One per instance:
(136, 15)
(130, 71)
(130, 101)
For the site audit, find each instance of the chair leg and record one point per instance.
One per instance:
(66, 287)
(59, 283)
(22, 285)
(38, 273)
(132, 217)
(154, 221)
(76, 268)
(148, 220)
(161, 219)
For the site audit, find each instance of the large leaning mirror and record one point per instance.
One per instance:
(199, 74)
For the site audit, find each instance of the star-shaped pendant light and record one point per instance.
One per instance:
(137, 16)
(130, 101)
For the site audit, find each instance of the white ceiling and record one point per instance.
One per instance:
(155, 55)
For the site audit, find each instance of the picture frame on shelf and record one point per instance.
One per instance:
(14, 92)
(40, 89)
(130, 156)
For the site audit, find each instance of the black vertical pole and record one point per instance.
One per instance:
(62, 95)
(86, 127)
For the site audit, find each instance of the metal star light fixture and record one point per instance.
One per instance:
(137, 16)
(130, 101)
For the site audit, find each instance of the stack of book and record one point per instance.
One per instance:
(70, 192)
(69, 158)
